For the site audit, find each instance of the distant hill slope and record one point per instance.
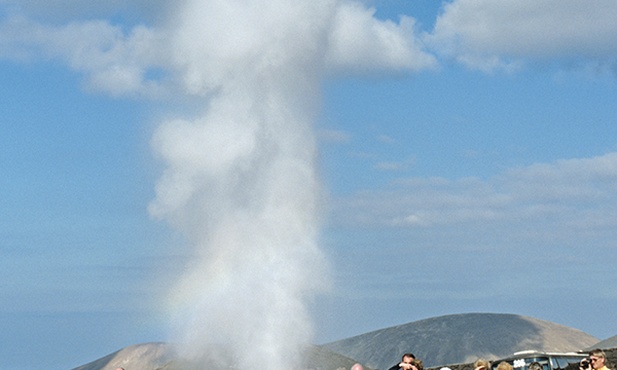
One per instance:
(162, 356)
(146, 356)
(461, 338)
(606, 343)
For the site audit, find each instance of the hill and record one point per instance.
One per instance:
(462, 338)
(162, 356)
(146, 356)
(444, 340)
(606, 343)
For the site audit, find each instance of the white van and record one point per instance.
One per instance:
(533, 360)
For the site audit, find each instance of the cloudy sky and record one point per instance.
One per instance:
(466, 156)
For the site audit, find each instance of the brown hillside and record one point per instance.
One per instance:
(162, 356)
(456, 339)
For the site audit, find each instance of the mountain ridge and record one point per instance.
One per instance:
(460, 338)
(438, 341)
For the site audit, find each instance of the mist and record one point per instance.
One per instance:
(241, 181)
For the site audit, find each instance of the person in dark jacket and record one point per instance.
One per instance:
(406, 363)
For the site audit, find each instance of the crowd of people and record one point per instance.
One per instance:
(596, 360)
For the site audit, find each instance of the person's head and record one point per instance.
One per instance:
(504, 366)
(597, 357)
(417, 364)
(357, 367)
(407, 358)
(481, 364)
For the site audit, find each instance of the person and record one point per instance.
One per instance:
(481, 364)
(535, 366)
(504, 366)
(357, 367)
(406, 363)
(417, 364)
(597, 360)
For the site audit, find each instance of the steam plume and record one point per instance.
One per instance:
(241, 180)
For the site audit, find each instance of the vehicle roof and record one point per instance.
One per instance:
(532, 353)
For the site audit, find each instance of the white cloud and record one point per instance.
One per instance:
(341, 36)
(334, 136)
(489, 34)
(395, 165)
(113, 62)
(564, 200)
(361, 42)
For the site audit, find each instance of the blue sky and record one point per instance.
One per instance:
(468, 165)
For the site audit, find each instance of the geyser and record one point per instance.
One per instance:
(240, 181)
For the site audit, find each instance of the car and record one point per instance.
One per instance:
(536, 360)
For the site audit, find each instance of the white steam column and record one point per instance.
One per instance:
(240, 181)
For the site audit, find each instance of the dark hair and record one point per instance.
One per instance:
(408, 355)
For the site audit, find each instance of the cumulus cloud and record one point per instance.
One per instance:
(561, 200)
(490, 34)
(118, 61)
(112, 61)
(361, 42)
